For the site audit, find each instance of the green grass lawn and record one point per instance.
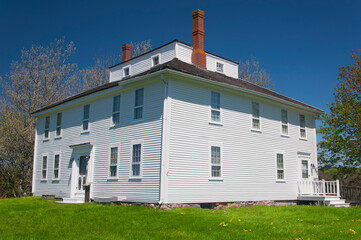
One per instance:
(36, 218)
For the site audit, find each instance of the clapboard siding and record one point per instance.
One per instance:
(248, 158)
(102, 136)
(143, 63)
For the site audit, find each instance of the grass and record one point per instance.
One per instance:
(36, 218)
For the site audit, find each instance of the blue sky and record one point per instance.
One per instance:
(301, 44)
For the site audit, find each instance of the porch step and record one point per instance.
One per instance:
(72, 201)
(336, 202)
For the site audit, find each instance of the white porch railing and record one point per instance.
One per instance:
(319, 188)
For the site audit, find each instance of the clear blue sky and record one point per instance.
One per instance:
(300, 44)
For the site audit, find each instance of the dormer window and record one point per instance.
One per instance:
(155, 60)
(219, 67)
(126, 71)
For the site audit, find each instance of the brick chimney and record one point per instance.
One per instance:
(198, 54)
(126, 52)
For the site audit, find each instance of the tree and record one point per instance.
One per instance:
(43, 76)
(139, 48)
(250, 71)
(341, 127)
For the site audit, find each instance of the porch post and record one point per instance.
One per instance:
(338, 188)
(323, 187)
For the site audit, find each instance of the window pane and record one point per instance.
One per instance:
(85, 125)
(113, 171)
(138, 113)
(136, 153)
(126, 72)
(58, 131)
(302, 121)
(216, 155)
(304, 169)
(219, 67)
(46, 133)
(114, 155)
(255, 110)
(86, 112)
(45, 160)
(215, 100)
(116, 118)
(56, 173)
(303, 133)
(256, 124)
(139, 97)
(216, 116)
(280, 174)
(43, 175)
(279, 161)
(47, 122)
(58, 119)
(155, 61)
(83, 162)
(136, 169)
(56, 161)
(216, 171)
(284, 129)
(116, 104)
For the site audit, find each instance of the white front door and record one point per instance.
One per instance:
(82, 172)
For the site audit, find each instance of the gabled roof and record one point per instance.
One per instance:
(182, 67)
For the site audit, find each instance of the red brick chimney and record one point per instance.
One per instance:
(198, 54)
(126, 52)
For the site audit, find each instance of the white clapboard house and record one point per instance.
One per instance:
(177, 125)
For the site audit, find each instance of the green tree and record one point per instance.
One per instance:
(341, 127)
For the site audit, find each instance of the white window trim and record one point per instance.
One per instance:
(61, 124)
(87, 130)
(109, 156)
(259, 117)
(46, 138)
(287, 124)
(112, 124)
(213, 109)
(217, 67)
(57, 153)
(130, 70)
(299, 127)
(47, 167)
(135, 142)
(159, 59)
(284, 166)
(210, 145)
(140, 106)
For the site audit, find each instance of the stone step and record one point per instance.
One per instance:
(72, 201)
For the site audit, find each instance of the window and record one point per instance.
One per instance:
(255, 116)
(46, 129)
(280, 167)
(155, 60)
(284, 117)
(56, 166)
(302, 126)
(136, 160)
(215, 107)
(44, 167)
(126, 71)
(138, 105)
(86, 110)
(215, 161)
(58, 124)
(113, 162)
(116, 110)
(219, 67)
(304, 169)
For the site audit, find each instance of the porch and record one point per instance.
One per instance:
(327, 192)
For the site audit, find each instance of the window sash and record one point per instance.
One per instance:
(86, 113)
(215, 161)
(215, 107)
(136, 159)
(116, 110)
(219, 67)
(113, 165)
(44, 167)
(46, 128)
(138, 103)
(302, 126)
(280, 167)
(56, 166)
(126, 72)
(155, 60)
(58, 124)
(284, 116)
(256, 123)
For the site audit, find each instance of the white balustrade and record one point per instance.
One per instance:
(319, 188)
